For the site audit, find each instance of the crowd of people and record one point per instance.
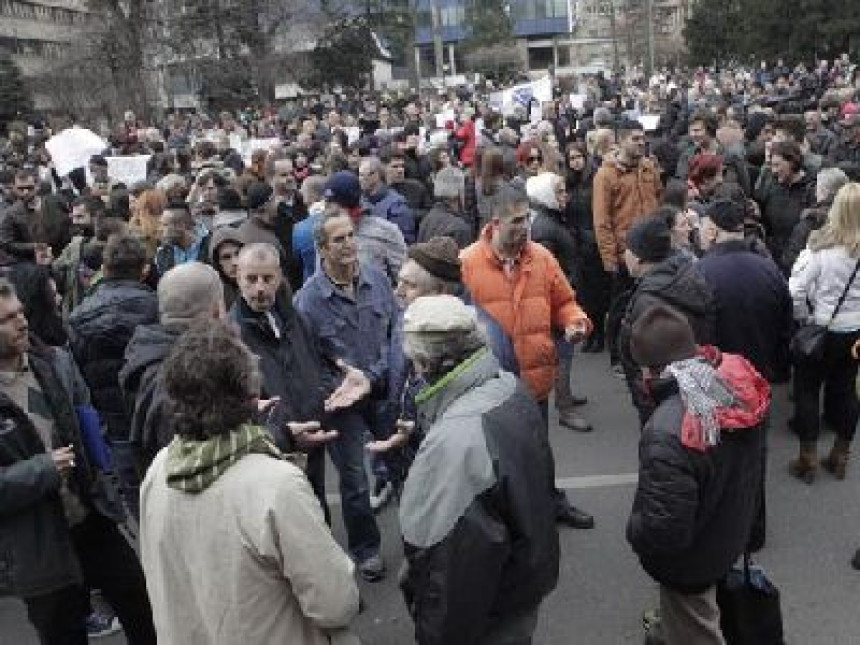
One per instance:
(406, 292)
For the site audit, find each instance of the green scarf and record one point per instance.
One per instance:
(192, 466)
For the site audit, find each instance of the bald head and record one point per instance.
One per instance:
(188, 292)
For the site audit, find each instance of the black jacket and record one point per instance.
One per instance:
(143, 390)
(36, 553)
(678, 283)
(754, 310)
(100, 328)
(781, 207)
(291, 366)
(693, 510)
(549, 230)
(164, 260)
(579, 216)
(18, 233)
(442, 221)
(811, 219)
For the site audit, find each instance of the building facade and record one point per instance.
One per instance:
(564, 34)
(38, 33)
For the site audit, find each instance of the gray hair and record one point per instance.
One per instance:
(507, 199)
(260, 251)
(374, 164)
(440, 352)
(332, 211)
(313, 189)
(828, 182)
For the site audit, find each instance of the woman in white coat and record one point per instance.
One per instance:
(825, 274)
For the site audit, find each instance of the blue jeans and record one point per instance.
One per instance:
(347, 454)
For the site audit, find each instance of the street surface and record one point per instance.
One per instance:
(602, 591)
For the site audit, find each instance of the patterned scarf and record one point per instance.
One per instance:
(703, 392)
(192, 466)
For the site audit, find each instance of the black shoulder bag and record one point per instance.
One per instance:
(807, 344)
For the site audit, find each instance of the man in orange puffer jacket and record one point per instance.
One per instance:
(520, 285)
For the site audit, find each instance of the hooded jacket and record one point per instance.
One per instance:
(143, 391)
(100, 328)
(219, 237)
(476, 514)
(678, 283)
(693, 509)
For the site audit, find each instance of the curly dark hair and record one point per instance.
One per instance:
(211, 380)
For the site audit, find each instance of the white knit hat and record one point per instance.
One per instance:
(541, 189)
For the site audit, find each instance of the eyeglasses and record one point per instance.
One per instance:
(535, 159)
(576, 158)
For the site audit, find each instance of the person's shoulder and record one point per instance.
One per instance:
(539, 253)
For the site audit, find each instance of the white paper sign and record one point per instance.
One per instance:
(577, 101)
(257, 144)
(353, 134)
(649, 121)
(72, 148)
(128, 170)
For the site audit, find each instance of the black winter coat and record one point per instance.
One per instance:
(548, 229)
(693, 511)
(143, 390)
(442, 221)
(291, 366)
(36, 552)
(754, 310)
(781, 207)
(579, 216)
(811, 219)
(100, 328)
(678, 283)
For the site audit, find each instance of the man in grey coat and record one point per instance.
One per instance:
(477, 512)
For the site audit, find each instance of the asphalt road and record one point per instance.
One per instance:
(602, 591)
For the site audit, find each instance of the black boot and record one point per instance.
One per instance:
(856, 561)
(573, 517)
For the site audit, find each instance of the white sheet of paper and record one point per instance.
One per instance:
(128, 170)
(577, 101)
(649, 121)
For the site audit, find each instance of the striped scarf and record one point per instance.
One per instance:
(192, 466)
(703, 392)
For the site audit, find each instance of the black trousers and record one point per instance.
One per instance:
(559, 497)
(620, 292)
(595, 290)
(836, 373)
(109, 564)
